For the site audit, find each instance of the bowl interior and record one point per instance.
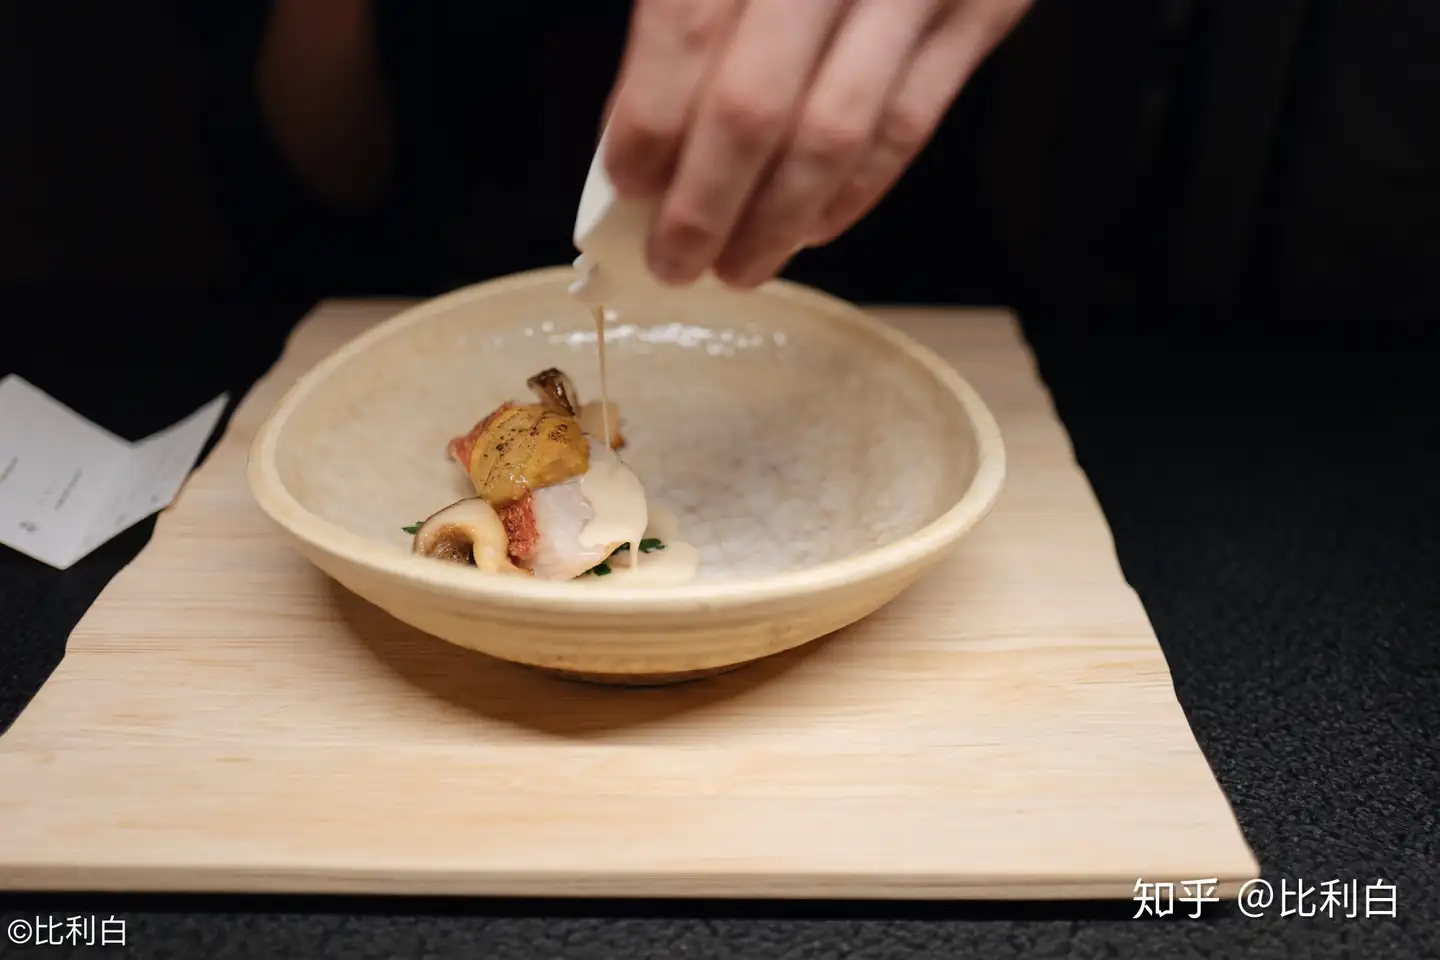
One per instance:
(781, 431)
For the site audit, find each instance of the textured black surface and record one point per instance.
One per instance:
(1277, 508)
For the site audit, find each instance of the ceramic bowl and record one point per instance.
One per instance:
(819, 460)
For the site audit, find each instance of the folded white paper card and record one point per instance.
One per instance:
(67, 486)
(611, 235)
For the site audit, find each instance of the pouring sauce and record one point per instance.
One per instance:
(599, 313)
(622, 514)
(674, 563)
(618, 499)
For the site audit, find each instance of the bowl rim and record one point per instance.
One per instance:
(912, 551)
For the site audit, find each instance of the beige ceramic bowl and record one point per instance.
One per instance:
(820, 461)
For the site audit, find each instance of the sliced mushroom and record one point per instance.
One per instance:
(557, 394)
(556, 391)
(469, 532)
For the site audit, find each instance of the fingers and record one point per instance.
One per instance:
(605, 113)
(740, 120)
(834, 129)
(671, 45)
(945, 60)
(712, 90)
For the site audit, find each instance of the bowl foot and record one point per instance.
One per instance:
(640, 679)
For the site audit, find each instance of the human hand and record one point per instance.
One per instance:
(768, 125)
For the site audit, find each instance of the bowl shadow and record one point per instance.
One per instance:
(533, 699)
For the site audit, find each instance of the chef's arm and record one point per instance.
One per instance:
(324, 99)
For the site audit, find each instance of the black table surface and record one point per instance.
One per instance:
(1277, 507)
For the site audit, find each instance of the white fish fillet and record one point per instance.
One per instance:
(560, 514)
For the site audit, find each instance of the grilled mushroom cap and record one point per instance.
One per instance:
(470, 532)
(556, 391)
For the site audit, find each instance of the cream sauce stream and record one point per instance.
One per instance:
(618, 499)
(674, 564)
(604, 379)
(622, 515)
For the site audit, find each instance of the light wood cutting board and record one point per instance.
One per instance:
(226, 719)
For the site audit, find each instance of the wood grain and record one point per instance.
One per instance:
(227, 719)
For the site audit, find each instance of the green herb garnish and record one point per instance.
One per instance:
(647, 545)
(413, 529)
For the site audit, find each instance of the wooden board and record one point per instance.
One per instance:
(226, 719)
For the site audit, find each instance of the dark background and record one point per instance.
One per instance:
(1219, 224)
(1170, 152)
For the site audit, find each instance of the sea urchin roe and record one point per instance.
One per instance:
(525, 448)
(460, 448)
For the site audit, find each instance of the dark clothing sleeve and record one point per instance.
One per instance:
(496, 111)
(273, 220)
(289, 238)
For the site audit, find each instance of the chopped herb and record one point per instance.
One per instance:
(413, 529)
(646, 546)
